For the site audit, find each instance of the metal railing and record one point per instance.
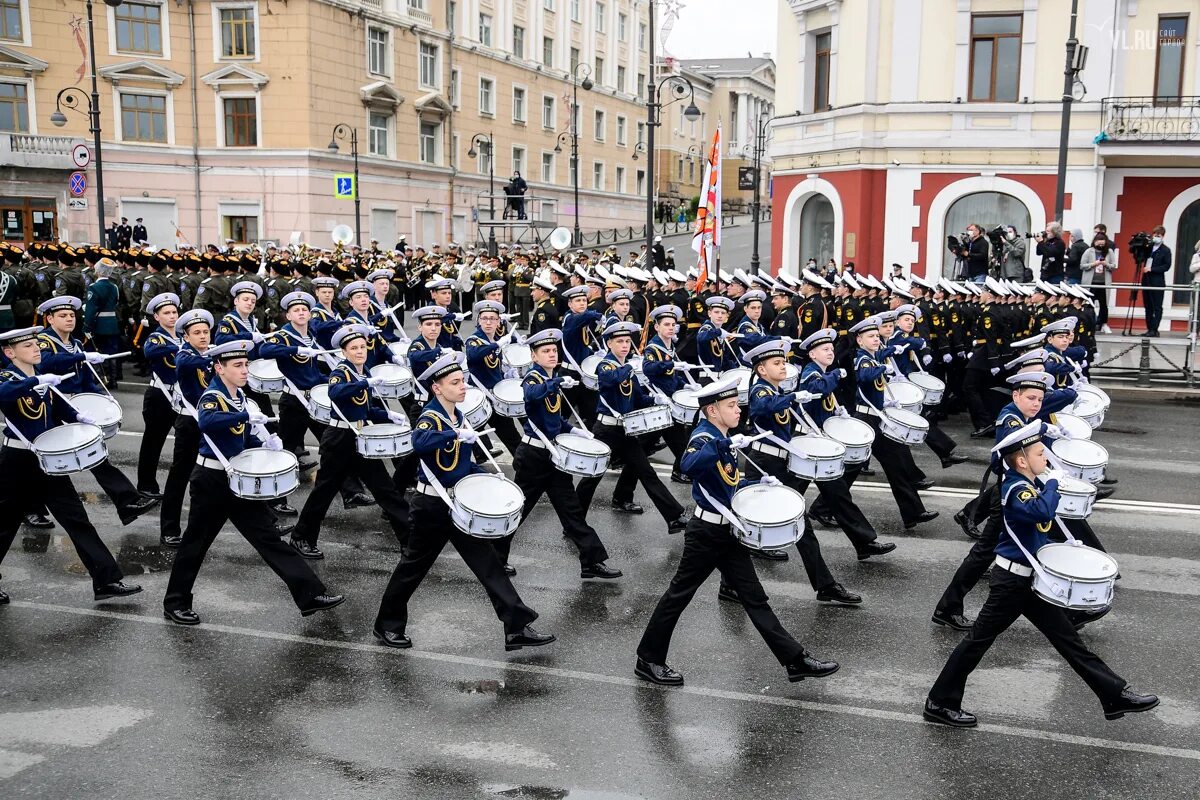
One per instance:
(1168, 360)
(40, 145)
(1151, 119)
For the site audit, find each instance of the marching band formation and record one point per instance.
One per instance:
(759, 387)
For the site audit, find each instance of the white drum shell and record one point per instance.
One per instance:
(1090, 409)
(475, 407)
(933, 387)
(792, 380)
(587, 371)
(744, 376)
(508, 398)
(580, 456)
(903, 426)
(1094, 391)
(853, 434)
(816, 458)
(1077, 576)
(1081, 459)
(647, 420)
(487, 506)
(766, 512)
(684, 406)
(261, 474)
(398, 381)
(104, 411)
(907, 395)
(319, 404)
(71, 448)
(1077, 427)
(265, 376)
(1075, 498)
(517, 356)
(384, 440)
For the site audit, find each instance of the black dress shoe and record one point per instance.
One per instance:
(281, 507)
(358, 500)
(958, 622)
(306, 550)
(925, 516)
(1081, 618)
(1130, 702)
(322, 602)
(510, 570)
(392, 639)
(172, 542)
(867, 471)
(527, 637)
(824, 520)
(679, 477)
(40, 521)
(677, 525)
(3, 598)
(836, 593)
(809, 667)
(182, 616)
(115, 589)
(657, 673)
(968, 527)
(875, 548)
(1104, 492)
(984, 433)
(1108, 481)
(770, 555)
(627, 508)
(954, 717)
(952, 459)
(728, 594)
(153, 495)
(923, 484)
(599, 570)
(135, 509)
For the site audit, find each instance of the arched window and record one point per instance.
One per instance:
(816, 230)
(1185, 246)
(989, 209)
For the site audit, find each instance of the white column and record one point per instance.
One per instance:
(742, 113)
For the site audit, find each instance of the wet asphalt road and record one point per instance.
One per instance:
(108, 700)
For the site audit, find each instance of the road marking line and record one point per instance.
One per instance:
(613, 680)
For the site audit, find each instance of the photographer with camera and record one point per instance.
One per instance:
(1012, 256)
(975, 253)
(1053, 251)
(1154, 274)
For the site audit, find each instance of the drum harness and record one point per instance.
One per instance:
(1033, 562)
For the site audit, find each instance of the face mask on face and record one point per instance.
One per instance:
(1157, 240)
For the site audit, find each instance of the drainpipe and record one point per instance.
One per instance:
(449, 141)
(195, 125)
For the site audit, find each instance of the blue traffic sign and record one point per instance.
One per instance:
(344, 188)
(77, 184)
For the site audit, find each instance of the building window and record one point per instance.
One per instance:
(576, 16)
(419, 5)
(485, 30)
(14, 107)
(620, 78)
(428, 66)
(139, 28)
(518, 47)
(639, 180)
(995, 57)
(427, 139)
(455, 86)
(691, 171)
(597, 176)
(548, 5)
(824, 46)
(641, 132)
(518, 159)
(10, 21)
(1168, 62)
(243, 230)
(548, 112)
(547, 52)
(143, 118)
(574, 59)
(601, 18)
(241, 122)
(641, 36)
(547, 167)
(641, 85)
(622, 26)
(379, 125)
(379, 51)
(518, 110)
(977, 208)
(483, 157)
(599, 125)
(621, 124)
(487, 97)
(621, 180)
(599, 69)
(572, 169)
(237, 32)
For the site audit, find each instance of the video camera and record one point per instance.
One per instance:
(1140, 245)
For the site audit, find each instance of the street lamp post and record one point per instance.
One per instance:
(681, 87)
(344, 131)
(586, 83)
(481, 139)
(1064, 132)
(69, 97)
(760, 149)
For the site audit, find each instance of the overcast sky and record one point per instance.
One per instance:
(723, 28)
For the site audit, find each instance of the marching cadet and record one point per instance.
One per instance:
(619, 301)
(242, 324)
(357, 295)
(485, 366)
(709, 544)
(535, 471)
(326, 320)
(426, 347)
(580, 341)
(870, 373)
(545, 312)
(446, 444)
(158, 401)
(383, 296)
(620, 393)
(750, 328)
(786, 324)
(30, 409)
(712, 347)
(351, 398)
(912, 355)
(225, 423)
(1029, 505)
(441, 292)
(812, 314)
(666, 377)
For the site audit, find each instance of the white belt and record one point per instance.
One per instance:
(533, 441)
(605, 419)
(769, 450)
(106, 314)
(341, 423)
(711, 517)
(210, 463)
(5, 307)
(425, 488)
(1013, 567)
(16, 444)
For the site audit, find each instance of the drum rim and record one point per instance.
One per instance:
(489, 478)
(567, 445)
(818, 441)
(762, 489)
(889, 413)
(1060, 547)
(1068, 445)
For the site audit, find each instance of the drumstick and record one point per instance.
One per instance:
(108, 356)
(756, 437)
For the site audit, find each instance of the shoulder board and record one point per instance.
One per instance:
(763, 390)
(429, 421)
(608, 366)
(534, 377)
(206, 280)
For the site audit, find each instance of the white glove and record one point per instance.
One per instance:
(995, 370)
(962, 354)
(584, 432)
(1082, 379)
(94, 358)
(805, 397)
(374, 380)
(890, 403)
(926, 360)
(738, 441)
(257, 419)
(841, 372)
(505, 340)
(1057, 432)
(257, 337)
(398, 417)
(1083, 364)
(273, 442)
(948, 358)
(399, 361)
(900, 348)
(889, 369)
(787, 340)
(49, 380)
(84, 419)
(770, 480)
(510, 372)
(841, 411)
(1053, 475)
(467, 435)
(569, 382)
(724, 334)
(310, 352)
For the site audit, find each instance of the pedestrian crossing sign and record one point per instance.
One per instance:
(344, 188)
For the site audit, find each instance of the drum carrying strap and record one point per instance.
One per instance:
(732, 518)
(301, 395)
(437, 485)
(1033, 562)
(554, 454)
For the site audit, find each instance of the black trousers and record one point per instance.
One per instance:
(253, 521)
(1011, 597)
(834, 500)
(118, 488)
(897, 462)
(159, 418)
(506, 430)
(1153, 302)
(937, 439)
(111, 368)
(975, 383)
(676, 438)
(340, 459)
(536, 474)
(809, 548)
(294, 422)
(23, 487)
(432, 529)
(1100, 292)
(637, 468)
(183, 461)
(708, 547)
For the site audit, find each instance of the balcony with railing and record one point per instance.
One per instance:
(36, 152)
(1149, 120)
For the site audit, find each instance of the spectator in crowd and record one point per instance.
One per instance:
(1154, 277)
(1073, 271)
(1053, 250)
(1194, 267)
(1098, 261)
(1012, 264)
(976, 254)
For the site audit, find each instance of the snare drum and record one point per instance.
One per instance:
(475, 407)
(265, 376)
(908, 396)
(319, 404)
(1090, 409)
(587, 371)
(578, 455)
(487, 506)
(1081, 459)
(903, 426)
(104, 411)
(684, 406)
(933, 387)
(261, 474)
(517, 356)
(646, 420)
(1075, 498)
(816, 458)
(67, 449)
(792, 379)
(744, 375)
(1077, 576)
(397, 381)
(773, 516)
(508, 398)
(853, 434)
(400, 350)
(1094, 391)
(384, 440)
(1075, 426)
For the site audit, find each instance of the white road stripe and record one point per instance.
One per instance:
(613, 680)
